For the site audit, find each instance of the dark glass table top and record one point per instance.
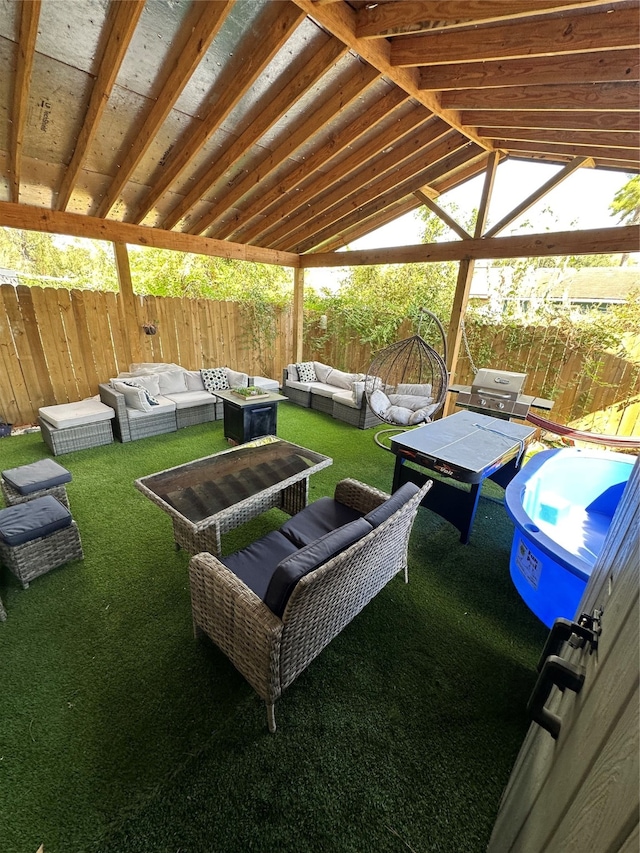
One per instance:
(205, 487)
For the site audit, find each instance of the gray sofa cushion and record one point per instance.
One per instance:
(290, 570)
(24, 522)
(43, 474)
(320, 517)
(256, 563)
(384, 511)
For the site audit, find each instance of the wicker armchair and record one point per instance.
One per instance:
(271, 652)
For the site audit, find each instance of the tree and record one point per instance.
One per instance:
(626, 206)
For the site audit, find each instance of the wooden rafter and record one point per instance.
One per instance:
(279, 21)
(197, 33)
(609, 97)
(120, 26)
(374, 198)
(559, 120)
(614, 66)
(313, 124)
(566, 34)
(448, 220)
(622, 155)
(381, 20)
(298, 81)
(269, 208)
(350, 177)
(29, 17)
(594, 138)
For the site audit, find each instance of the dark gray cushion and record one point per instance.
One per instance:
(384, 511)
(291, 569)
(43, 474)
(256, 563)
(40, 517)
(320, 517)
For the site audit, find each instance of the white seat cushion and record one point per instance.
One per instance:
(164, 405)
(189, 399)
(300, 386)
(322, 389)
(67, 415)
(345, 398)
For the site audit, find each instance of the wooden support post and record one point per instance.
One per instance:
(463, 284)
(298, 313)
(127, 306)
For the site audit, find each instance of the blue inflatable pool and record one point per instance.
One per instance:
(562, 503)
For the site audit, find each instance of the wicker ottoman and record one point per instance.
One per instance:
(44, 477)
(37, 536)
(76, 426)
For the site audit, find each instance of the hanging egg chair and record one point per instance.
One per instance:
(406, 383)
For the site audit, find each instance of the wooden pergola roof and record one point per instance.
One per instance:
(269, 130)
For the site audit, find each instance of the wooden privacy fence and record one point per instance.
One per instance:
(56, 346)
(593, 390)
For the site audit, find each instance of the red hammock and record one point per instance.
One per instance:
(559, 429)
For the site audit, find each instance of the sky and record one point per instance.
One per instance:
(580, 202)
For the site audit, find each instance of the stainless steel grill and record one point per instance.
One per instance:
(498, 393)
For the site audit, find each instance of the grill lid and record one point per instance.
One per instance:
(498, 383)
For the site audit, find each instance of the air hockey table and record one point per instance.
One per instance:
(467, 448)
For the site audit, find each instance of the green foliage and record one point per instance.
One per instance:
(626, 202)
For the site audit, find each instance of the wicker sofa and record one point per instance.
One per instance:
(273, 606)
(319, 386)
(180, 396)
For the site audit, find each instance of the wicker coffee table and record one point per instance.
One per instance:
(207, 497)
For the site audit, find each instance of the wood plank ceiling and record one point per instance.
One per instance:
(300, 126)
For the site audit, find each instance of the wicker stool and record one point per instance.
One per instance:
(44, 477)
(36, 536)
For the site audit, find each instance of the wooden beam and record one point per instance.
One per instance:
(279, 20)
(371, 223)
(568, 33)
(595, 139)
(465, 277)
(605, 97)
(559, 120)
(612, 66)
(300, 77)
(126, 303)
(200, 27)
(298, 313)
(29, 17)
(76, 225)
(599, 241)
(120, 26)
(340, 19)
(268, 208)
(546, 188)
(442, 214)
(425, 140)
(313, 123)
(384, 19)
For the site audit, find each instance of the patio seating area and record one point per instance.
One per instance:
(160, 743)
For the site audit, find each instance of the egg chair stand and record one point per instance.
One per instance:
(407, 382)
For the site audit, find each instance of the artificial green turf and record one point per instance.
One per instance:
(120, 732)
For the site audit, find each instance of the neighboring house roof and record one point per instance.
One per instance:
(591, 284)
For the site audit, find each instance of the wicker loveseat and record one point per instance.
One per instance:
(318, 386)
(273, 606)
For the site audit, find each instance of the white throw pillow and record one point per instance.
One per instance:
(417, 390)
(135, 396)
(341, 379)
(193, 380)
(236, 379)
(150, 381)
(172, 381)
(306, 371)
(292, 373)
(399, 415)
(379, 402)
(358, 391)
(215, 379)
(322, 371)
